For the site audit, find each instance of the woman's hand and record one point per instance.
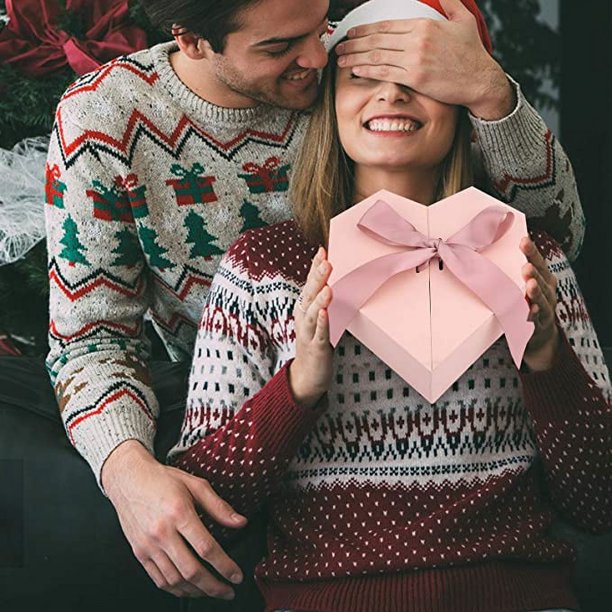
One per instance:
(311, 370)
(541, 291)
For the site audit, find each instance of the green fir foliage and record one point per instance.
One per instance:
(153, 250)
(250, 213)
(128, 249)
(73, 248)
(198, 236)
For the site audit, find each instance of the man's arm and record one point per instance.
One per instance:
(98, 365)
(525, 165)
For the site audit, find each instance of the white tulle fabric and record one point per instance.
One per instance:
(22, 197)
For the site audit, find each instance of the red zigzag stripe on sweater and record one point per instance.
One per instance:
(95, 280)
(138, 124)
(174, 324)
(91, 82)
(188, 279)
(103, 403)
(91, 329)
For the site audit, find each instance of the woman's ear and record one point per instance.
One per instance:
(193, 46)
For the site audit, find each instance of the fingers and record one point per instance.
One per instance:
(321, 334)
(540, 285)
(315, 319)
(390, 42)
(316, 280)
(166, 576)
(375, 57)
(209, 549)
(214, 506)
(538, 269)
(192, 572)
(455, 10)
(389, 26)
(199, 537)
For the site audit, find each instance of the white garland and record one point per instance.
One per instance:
(4, 18)
(22, 197)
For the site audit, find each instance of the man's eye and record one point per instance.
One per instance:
(279, 52)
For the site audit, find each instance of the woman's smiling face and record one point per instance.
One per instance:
(386, 125)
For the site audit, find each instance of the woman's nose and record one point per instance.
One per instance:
(393, 92)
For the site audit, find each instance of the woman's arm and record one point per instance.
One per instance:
(245, 417)
(569, 403)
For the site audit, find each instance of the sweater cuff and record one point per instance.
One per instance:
(97, 445)
(551, 395)
(513, 139)
(290, 421)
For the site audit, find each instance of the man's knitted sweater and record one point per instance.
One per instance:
(379, 500)
(147, 186)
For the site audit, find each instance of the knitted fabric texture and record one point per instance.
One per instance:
(378, 499)
(149, 185)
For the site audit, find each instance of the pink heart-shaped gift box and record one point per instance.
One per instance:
(427, 326)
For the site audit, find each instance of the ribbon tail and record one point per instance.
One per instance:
(353, 290)
(517, 329)
(80, 61)
(498, 292)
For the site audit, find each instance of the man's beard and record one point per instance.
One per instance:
(233, 80)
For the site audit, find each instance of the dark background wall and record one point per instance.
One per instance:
(586, 134)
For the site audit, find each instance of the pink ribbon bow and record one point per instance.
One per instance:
(34, 44)
(461, 256)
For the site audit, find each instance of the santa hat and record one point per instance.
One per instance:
(381, 10)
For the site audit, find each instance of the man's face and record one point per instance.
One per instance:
(274, 56)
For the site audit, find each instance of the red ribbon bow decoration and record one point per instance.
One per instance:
(461, 256)
(34, 44)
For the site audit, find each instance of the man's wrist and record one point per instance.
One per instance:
(120, 459)
(498, 98)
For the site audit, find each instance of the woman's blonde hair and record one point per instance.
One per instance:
(322, 181)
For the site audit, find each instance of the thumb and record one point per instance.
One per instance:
(455, 10)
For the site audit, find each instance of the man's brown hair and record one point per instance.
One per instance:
(213, 20)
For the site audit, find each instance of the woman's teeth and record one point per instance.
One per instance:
(392, 125)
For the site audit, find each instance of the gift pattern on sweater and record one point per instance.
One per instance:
(148, 185)
(378, 482)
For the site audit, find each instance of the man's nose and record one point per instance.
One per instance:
(313, 54)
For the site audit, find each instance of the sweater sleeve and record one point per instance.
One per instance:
(98, 297)
(571, 412)
(527, 168)
(242, 425)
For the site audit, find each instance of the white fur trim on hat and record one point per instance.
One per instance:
(381, 10)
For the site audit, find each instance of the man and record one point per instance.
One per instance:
(159, 160)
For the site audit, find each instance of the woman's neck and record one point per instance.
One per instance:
(419, 186)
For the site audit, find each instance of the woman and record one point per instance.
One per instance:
(377, 499)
